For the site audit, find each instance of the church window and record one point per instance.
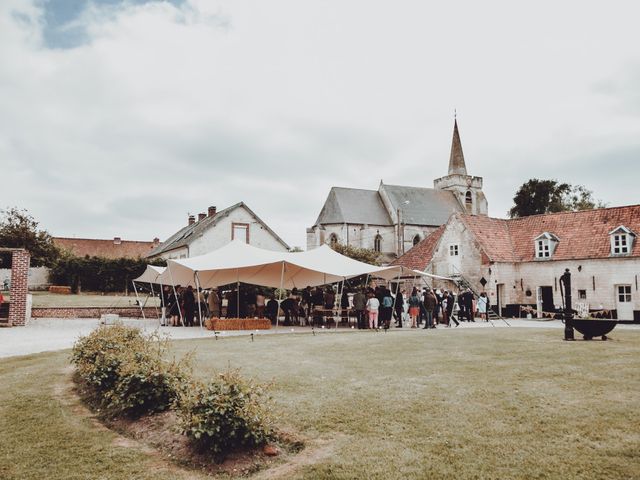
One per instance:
(453, 250)
(545, 245)
(416, 240)
(621, 240)
(377, 243)
(333, 240)
(468, 199)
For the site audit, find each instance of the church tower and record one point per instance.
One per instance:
(467, 189)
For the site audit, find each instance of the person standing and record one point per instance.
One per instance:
(272, 309)
(386, 309)
(359, 305)
(306, 303)
(482, 306)
(430, 302)
(467, 299)
(414, 307)
(399, 307)
(214, 304)
(450, 303)
(260, 304)
(373, 305)
(189, 303)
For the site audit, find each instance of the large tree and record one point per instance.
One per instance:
(549, 196)
(18, 229)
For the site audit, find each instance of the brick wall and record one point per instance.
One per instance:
(20, 260)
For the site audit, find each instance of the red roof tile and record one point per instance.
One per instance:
(113, 248)
(583, 234)
(421, 254)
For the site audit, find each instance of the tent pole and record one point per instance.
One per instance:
(163, 310)
(175, 293)
(280, 294)
(197, 280)
(138, 299)
(238, 295)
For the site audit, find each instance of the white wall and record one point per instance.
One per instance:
(220, 234)
(38, 276)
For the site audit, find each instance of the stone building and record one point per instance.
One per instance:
(393, 218)
(215, 229)
(109, 248)
(518, 262)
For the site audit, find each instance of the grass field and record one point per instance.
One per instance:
(473, 404)
(46, 300)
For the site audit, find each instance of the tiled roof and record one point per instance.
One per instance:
(583, 234)
(112, 248)
(421, 254)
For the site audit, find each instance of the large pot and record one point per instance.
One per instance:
(594, 328)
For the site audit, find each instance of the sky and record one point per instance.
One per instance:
(120, 118)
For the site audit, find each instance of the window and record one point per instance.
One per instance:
(453, 250)
(377, 243)
(545, 245)
(582, 294)
(240, 231)
(624, 293)
(333, 239)
(416, 240)
(621, 240)
(620, 244)
(468, 199)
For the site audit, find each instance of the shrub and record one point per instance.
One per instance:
(123, 371)
(225, 414)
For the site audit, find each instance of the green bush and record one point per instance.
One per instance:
(224, 414)
(124, 373)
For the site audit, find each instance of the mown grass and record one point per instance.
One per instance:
(478, 403)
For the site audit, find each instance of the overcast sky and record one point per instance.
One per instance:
(118, 118)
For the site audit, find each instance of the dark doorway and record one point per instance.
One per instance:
(547, 299)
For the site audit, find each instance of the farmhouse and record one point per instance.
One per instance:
(518, 262)
(216, 228)
(393, 218)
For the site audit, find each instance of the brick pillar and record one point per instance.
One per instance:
(20, 260)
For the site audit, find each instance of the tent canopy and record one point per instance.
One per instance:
(150, 275)
(240, 262)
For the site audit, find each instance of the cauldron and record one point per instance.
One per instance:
(594, 328)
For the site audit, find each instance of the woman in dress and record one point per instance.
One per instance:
(482, 306)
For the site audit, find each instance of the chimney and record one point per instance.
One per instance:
(212, 211)
(192, 219)
(117, 240)
(202, 216)
(156, 241)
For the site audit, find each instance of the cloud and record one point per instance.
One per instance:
(120, 117)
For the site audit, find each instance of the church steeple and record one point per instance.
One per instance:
(456, 159)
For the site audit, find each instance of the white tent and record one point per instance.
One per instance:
(150, 275)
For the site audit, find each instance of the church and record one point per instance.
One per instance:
(394, 218)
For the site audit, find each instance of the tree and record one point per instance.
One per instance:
(18, 229)
(361, 254)
(548, 196)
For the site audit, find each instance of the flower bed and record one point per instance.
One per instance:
(238, 324)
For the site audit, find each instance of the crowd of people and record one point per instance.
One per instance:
(372, 307)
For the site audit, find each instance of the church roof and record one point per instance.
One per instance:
(456, 159)
(353, 205)
(422, 206)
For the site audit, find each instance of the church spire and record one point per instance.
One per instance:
(456, 160)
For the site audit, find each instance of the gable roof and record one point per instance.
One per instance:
(189, 233)
(112, 248)
(426, 206)
(583, 234)
(353, 205)
(419, 256)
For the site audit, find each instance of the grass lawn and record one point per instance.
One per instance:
(476, 403)
(45, 299)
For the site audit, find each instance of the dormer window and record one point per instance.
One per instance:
(621, 240)
(545, 245)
